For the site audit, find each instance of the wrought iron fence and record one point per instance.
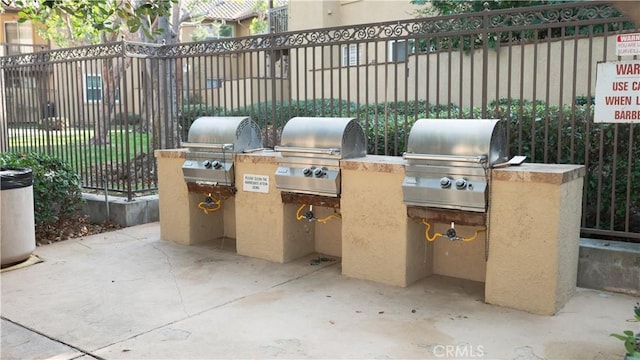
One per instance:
(7, 49)
(278, 19)
(533, 67)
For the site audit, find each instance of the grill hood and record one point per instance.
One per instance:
(448, 162)
(311, 151)
(212, 143)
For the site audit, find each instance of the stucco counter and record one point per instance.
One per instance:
(379, 241)
(534, 230)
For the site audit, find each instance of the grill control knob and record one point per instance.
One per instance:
(306, 171)
(461, 184)
(207, 164)
(318, 172)
(217, 164)
(445, 183)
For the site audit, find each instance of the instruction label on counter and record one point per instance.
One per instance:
(256, 183)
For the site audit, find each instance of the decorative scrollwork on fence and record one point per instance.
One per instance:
(61, 55)
(551, 14)
(500, 20)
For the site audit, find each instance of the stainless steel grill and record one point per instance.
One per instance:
(212, 143)
(311, 149)
(448, 162)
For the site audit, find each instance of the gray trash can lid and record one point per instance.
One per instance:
(15, 177)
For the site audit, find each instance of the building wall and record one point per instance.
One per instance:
(29, 81)
(10, 16)
(240, 28)
(453, 77)
(320, 14)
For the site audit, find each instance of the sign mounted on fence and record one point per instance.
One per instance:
(628, 44)
(618, 92)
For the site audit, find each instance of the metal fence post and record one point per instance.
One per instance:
(485, 58)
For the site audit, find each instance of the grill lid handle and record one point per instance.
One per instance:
(208, 146)
(469, 159)
(308, 150)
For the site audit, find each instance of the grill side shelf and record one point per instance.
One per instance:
(208, 146)
(307, 150)
(480, 159)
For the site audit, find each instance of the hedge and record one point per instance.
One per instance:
(542, 132)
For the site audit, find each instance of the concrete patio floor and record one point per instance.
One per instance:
(129, 295)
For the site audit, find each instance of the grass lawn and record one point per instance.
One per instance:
(73, 145)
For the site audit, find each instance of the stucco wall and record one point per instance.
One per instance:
(459, 259)
(11, 16)
(260, 224)
(455, 77)
(534, 229)
(379, 242)
(172, 196)
(181, 221)
(316, 14)
(328, 236)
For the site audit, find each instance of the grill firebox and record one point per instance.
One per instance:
(311, 150)
(212, 143)
(448, 162)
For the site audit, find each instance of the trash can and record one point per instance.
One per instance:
(48, 110)
(18, 234)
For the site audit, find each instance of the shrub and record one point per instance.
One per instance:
(278, 113)
(544, 133)
(189, 113)
(630, 338)
(130, 119)
(53, 124)
(567, 135)
(57, 192)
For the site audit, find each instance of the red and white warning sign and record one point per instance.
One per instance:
(628, 44)
(618, 92)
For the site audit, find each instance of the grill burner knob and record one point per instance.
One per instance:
(318, 172)
(217, 164)
(445, 182)
(461, 184)
(306, 172)
(207, 164)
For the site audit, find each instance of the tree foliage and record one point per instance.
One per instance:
(259, 23)
(494, 39)
(86, 20)
(447, 7)
(57, 192)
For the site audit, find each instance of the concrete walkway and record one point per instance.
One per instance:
(129, 295)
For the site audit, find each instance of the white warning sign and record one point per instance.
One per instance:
(628, 44)
(618, 92)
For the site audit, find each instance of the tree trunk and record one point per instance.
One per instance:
(111, 74)
(168, 126)
(107, 104)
